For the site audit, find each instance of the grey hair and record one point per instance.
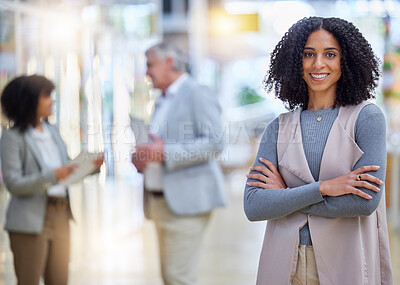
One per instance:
(164, 50)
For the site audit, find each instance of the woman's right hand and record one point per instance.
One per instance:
(346, 184)
(64, 171)
(270, 177)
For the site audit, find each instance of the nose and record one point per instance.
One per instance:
(319, 61)
(148, 70)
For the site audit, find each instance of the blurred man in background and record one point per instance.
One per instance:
(182, 180)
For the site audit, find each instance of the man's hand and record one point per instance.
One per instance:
(146, 153)
(138, 159)
(156, 149)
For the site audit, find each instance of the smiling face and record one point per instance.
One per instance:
(321, 64)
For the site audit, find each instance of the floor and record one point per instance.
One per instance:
(113, 245)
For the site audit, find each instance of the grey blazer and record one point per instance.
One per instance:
(22, 167)
(193, 139)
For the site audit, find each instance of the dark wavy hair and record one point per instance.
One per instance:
(359, 65)
(20, 98)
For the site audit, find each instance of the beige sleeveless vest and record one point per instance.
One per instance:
(348, 251)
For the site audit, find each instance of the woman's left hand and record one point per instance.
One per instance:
(99, 161)
(270, 177)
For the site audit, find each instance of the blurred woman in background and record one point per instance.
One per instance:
(34, 159)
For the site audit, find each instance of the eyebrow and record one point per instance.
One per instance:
(329, 48)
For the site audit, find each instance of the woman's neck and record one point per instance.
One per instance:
(39, 126)
(318, 100)
(319, 106)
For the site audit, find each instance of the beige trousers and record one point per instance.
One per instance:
(306, 271)
(179, 240)
(45, 254)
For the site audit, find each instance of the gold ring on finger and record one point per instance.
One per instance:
(359, 177)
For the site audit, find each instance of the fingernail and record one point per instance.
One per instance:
(377, 166)
(381, 182)
(377, 189)
(247, 175)
(369, 197)
(248, 183)
(260, 158)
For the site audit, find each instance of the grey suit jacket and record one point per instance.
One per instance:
(193, 139)
(26, 180)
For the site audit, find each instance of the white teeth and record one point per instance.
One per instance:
(319, 76)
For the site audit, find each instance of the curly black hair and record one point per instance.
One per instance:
(20, 98)
(359, 65)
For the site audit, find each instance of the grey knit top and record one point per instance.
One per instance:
(370, 135)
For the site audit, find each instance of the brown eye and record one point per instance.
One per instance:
(330, 55)
(308, 54)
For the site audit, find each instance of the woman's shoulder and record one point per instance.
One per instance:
(370, 117)
(370, 109)
(272, 129)
(12, 132)
(370, 112)
(274, 124)
(270, 134)
(289, 114)
(11, 137)
(289, 119)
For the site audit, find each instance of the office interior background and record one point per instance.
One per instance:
(94, 51)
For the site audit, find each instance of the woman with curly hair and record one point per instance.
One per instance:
(319, 172)
(33, 160)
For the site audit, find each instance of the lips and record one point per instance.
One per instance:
(319, 76)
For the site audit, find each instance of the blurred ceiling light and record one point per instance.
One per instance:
(223, 23)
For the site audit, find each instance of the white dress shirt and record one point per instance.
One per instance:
(153, 174)
(51, 156)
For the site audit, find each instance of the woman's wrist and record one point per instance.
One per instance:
(322, 187)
